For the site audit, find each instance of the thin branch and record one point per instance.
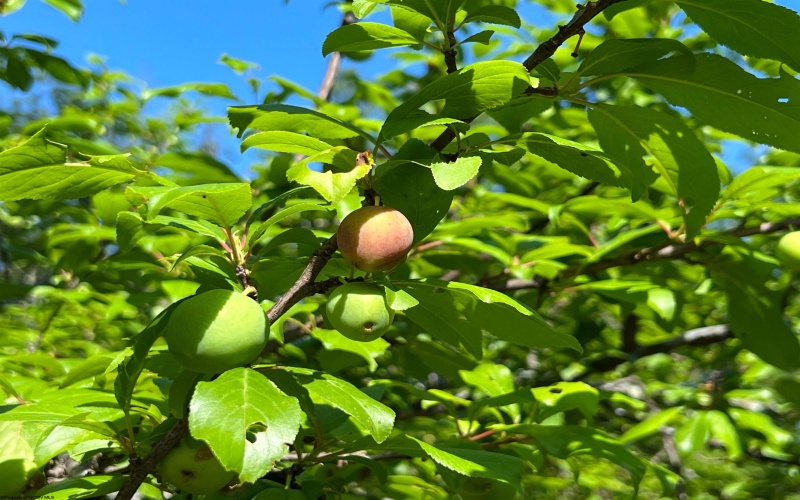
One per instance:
(698, 336)
(543, 52)
(574, 27)
(140, 470)
(668, 252)
(450, 54)
(305, 286)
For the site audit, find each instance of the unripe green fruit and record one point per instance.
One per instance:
(375, 238)
(359, 311)
(788, 250)
(14, 475)
(216, 331)
(192, 468)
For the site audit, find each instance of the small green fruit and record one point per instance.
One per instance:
(788, 250)
(14, 476)
(375, 238)
(216, 331)
(192, 468)
(359, 311)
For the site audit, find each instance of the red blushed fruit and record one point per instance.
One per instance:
(375, 238)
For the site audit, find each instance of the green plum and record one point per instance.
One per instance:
(192, 468)
(788, 250)
(216, 331)
(14, 476)
(359, 311)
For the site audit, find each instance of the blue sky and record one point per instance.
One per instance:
(168, 42)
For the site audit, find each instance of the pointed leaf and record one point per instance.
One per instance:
(476, 88)
(629, 134)
(38, 169)
(720, 93)
(751, 27)
(365, 36)
(613, 56)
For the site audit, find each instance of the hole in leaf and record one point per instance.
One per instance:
(252, 432)
(556, 390)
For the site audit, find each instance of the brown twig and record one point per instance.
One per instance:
(305, 286)
(698, 336)
(140, 471)
(450, 55)
(574, 27)
(543, 52)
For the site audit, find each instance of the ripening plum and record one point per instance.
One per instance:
(192, 468)
(788, 250)
(375, 238)
(359, 311)
(216, 331)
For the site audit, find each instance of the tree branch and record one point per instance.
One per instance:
(543, 52)
(140, 471)
(698, 336)
(305, 286)
(574, 27)
(668, 252)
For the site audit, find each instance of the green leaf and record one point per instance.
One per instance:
(223, 204)
(196, 168)
(483, 37)
(493, 379)
(450, 176)
(586, 162)
(755, 310)
(331, 186)
(325, 389)
(470, 91)
(564, 441)
(459, 313)
(129, 371)
(565, 396)
(411, 189)
(365, 36)
(720, 93)
(210, 89)
(751, 27)
(475, 463)
(239, 402)
(38, 169)
(495, 14)
(312, 205)
(723, 429)
(285, 142)
(17, 72)
(613, 56)
(333, 340)
(651, 424)
(288, 118)
(413, 23)
(72, 8)
(659, 299)
(693, 434)
(629, 134)
(83, 487)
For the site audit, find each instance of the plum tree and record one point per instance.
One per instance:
(216, 331)
(375, 238)
(192, 468)
(788, 250)
(359, 311)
